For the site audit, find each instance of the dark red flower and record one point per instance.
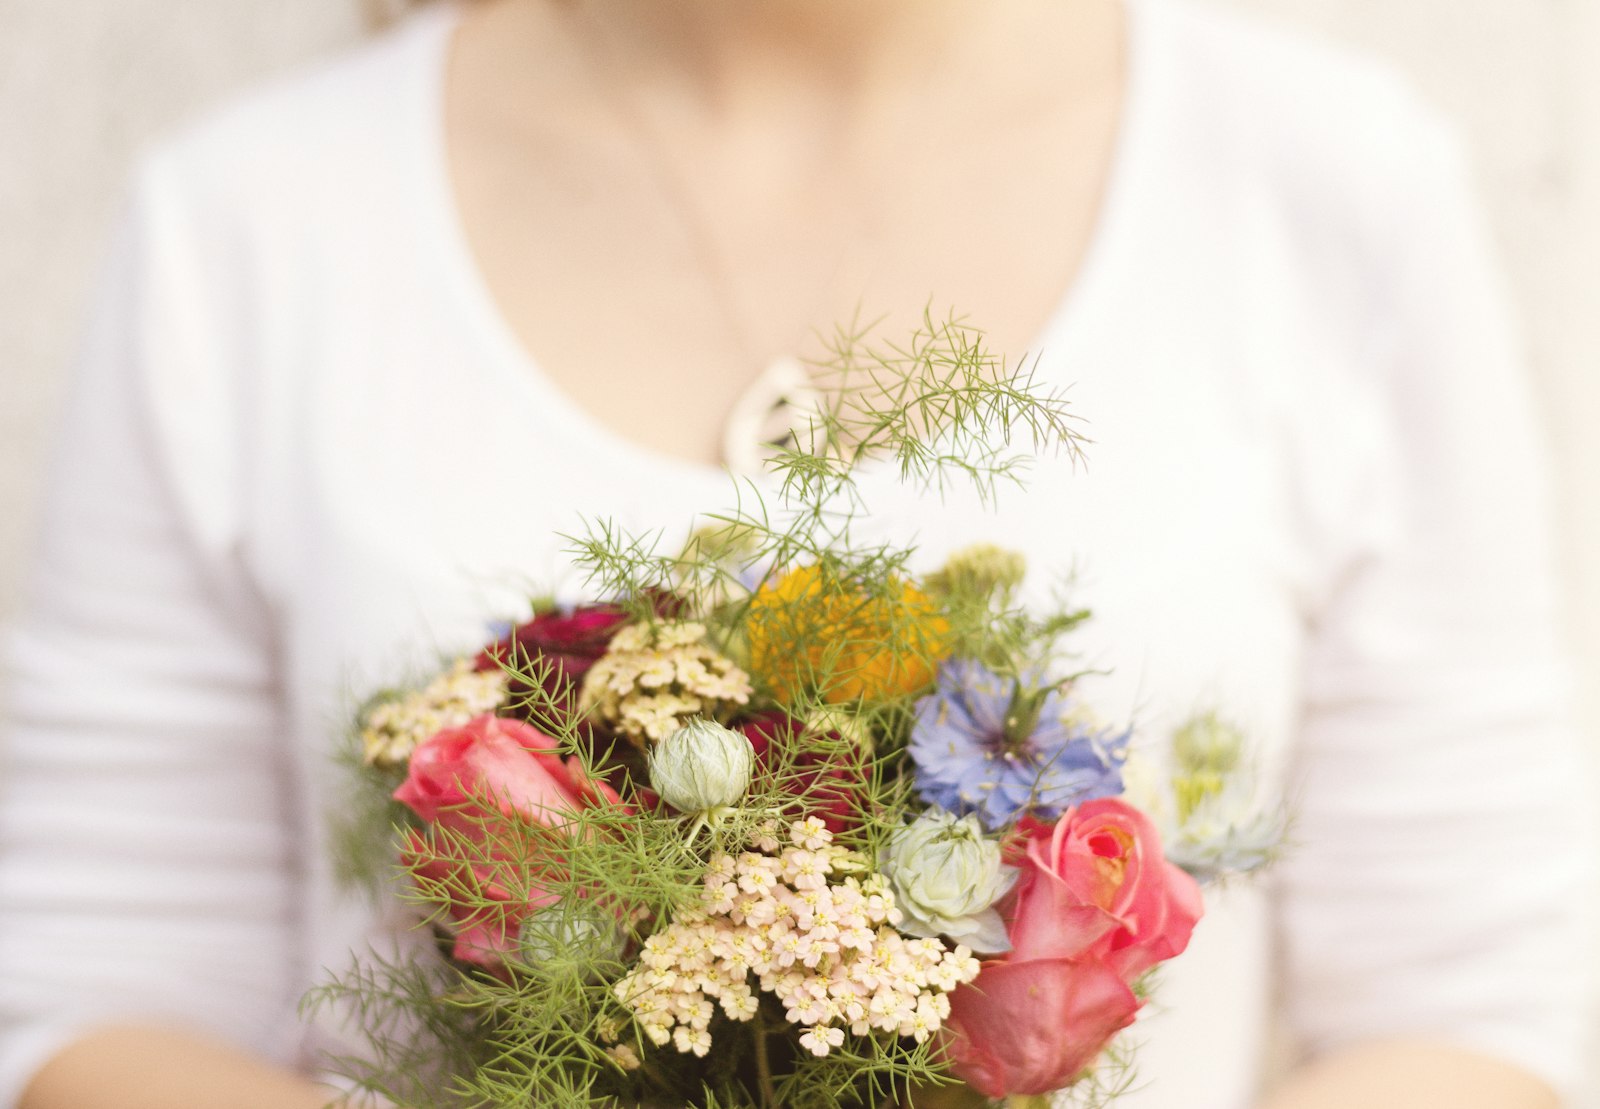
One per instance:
(829, 776)
(558, 644)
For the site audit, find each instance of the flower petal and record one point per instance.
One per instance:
(1032, 1027)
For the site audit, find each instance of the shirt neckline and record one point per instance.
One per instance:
(444, 237)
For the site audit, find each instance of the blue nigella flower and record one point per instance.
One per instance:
(983, 744)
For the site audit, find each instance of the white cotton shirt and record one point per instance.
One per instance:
(305, 454)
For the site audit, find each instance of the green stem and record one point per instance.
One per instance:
(1022, 715)
(769, 1095)
(1028, 1101)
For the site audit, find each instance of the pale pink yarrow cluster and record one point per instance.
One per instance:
(812, 934)
(395, 728)
(655, 677)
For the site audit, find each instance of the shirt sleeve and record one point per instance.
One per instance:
(145, 861)
(1438, 880)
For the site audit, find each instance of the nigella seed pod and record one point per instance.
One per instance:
(702, 767)
(981, 571)
(571, 934)
(1207, 744)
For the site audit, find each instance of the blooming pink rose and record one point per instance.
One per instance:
(508, 760)
(1097, 884)
(1096, 906)
(515, 768)
(1032, 1027)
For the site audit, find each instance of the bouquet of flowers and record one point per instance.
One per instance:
(779, 821)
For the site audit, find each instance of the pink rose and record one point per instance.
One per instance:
(1096, 883)
(485, 931)
(1032, 1027)
(515, 769)
(1096, 906)
(513, 762)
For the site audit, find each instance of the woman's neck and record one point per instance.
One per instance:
(729, 176)
(722, 59)
(849, 46)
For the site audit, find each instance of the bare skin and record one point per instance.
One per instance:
(125, 1067)
(831, 154)
(834, 153)
(1406, 1075)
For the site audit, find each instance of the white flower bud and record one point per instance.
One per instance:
(946, 876)
(1227, 832)
(702, 767)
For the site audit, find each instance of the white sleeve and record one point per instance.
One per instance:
(1438, 882)
(145, 860)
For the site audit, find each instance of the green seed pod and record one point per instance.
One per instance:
(702, 767)
(1207, 744)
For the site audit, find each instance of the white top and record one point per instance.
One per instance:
(304, 452)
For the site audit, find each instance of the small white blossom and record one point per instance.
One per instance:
(826, 952)
(655, 677)
(692, 1040)
(625, 1057)
(394, 728)
(820, 1041)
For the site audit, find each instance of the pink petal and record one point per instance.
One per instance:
(1033, 1027)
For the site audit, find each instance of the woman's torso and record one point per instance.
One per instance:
(408, 471)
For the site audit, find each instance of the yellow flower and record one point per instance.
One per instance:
(808, 629)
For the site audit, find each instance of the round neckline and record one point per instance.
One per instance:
(440, 222)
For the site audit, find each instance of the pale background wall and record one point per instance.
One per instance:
(84, 82)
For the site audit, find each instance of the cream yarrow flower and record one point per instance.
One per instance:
(827, 951)
(654, 678)
(397, 726)
(625, 1057)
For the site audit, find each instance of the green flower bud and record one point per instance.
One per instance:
(571, 932)
(946, 876)
(1207, 745)
(702, 767)
(980, 571)
(842, 723)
